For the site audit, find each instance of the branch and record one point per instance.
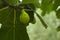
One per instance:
(40, 18)
(42, 21)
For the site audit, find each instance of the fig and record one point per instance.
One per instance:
(24, 17)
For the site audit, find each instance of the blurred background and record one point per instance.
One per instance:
(38, 32)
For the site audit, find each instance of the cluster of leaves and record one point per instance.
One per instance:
(10, 10)
(12, 28)
(51, 5)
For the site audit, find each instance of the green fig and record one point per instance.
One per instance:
(24, 17)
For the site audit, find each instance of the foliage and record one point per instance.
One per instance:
(10, 12)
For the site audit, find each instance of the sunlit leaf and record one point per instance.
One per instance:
(34, 2)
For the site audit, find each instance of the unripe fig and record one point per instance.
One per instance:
(24, 17)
